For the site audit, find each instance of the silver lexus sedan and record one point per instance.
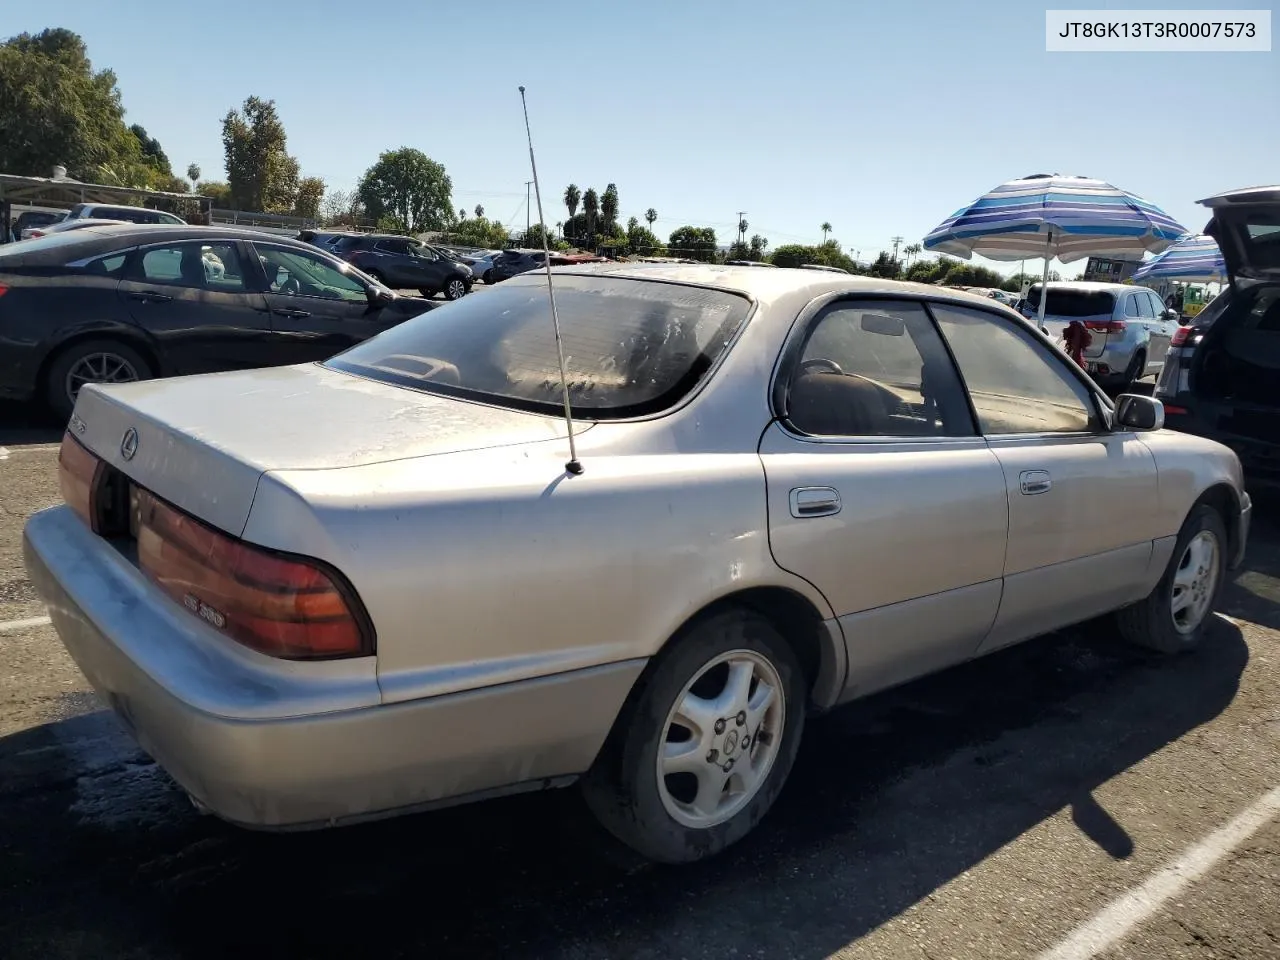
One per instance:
(334, 591)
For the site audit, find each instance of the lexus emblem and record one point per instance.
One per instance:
(129, 444)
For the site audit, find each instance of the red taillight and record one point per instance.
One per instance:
(1105, 326)
(282, 606)
(3, 289)
(1170, 408)
(1181, 336)
(35, 233)
(78, 475)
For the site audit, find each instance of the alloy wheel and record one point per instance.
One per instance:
(721, 738)
(98, 367)
(1195, 581)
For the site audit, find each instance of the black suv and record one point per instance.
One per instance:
(1221, 376)
(404, 263)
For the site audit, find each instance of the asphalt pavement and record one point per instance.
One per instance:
(1067, 795)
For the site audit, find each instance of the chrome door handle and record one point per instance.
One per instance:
(1035, 481)
(814, 502)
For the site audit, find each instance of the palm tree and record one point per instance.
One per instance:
(480, 210)
(651, 215)
(462, 213)
(559, 227)
(571, 197)
(826, 228)
(912, 250)
(591, 207)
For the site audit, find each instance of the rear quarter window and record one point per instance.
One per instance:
(1076, 303)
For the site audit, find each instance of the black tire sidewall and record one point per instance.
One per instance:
(55, 384)
(1202, 518)
(634, 810)
(1136, 366)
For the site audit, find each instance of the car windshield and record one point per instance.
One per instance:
(631, 347)
(1074, 303)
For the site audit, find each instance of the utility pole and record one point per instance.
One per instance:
(527, 211)
(896, 241)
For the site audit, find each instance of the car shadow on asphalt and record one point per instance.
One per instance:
(22, 423)
(890, 799)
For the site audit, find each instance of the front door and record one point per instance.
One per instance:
(1082, 499)
(317, 310)
(1159, 330)
(882, 495)
(203, 308)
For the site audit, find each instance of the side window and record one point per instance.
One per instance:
(1017, 385)
(424, 253)
(112, 265)
(876, 369)
(1144, 305)
(211, 266)
(398, 247)
(1131, 304)
(294, 273)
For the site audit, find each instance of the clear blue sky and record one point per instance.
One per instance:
(880, 118)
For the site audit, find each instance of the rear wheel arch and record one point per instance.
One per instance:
(135, 342)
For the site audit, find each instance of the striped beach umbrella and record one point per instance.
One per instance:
(1194, 258)
(1049, 215)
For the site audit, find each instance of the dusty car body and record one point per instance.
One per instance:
(745, 544)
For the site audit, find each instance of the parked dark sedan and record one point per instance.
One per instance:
(403, 263)
(116, 303)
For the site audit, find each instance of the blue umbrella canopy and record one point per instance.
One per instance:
(1195, 257)
(1055, 216)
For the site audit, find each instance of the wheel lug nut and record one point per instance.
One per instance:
(746, 742)
(741, 717)
(728, 765)
(713, 756)
(720, 726)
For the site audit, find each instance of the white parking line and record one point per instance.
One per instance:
(1124, 913)
(11, 626)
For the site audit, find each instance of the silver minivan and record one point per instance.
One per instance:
(1129, 326)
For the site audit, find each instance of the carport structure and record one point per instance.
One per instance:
(60, 191)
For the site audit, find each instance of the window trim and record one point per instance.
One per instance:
(1101, 419)
(793, 348)
(351, 272)
(133, 265)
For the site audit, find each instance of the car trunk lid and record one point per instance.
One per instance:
(203, 442)
(1246, 225)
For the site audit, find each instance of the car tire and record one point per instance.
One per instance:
(658, 815)
(1137, 366)
(120, 362)
(455, 288)
(427, 292)
(1192, 585)
(488, 277)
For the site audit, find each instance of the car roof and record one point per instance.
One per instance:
(769, 284)
(1097, 286)
(1263, 194)
(107, 236)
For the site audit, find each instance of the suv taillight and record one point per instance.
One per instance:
(1181, 336)
(283, 606)
(1105, 326)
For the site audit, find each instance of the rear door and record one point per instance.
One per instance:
(316, 309)
(205, 310)
(1159, 330)
(880, 491)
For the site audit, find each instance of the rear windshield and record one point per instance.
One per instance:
(1074, 303)
(631, 347)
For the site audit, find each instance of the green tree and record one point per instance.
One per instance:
(479, 232)
(310, 196)
(572, 195)
(828, 254)
(193, 174)
(826, 229)
(410, 187)
(643, 242)
(479, 210)
(152, 153)
(218, 192)
(55, 109)
(693, 243)
(885, 266)
(757, 248)
(262, 175)
(591, 207)
(651, 216)
(609, 204)
(911, 251)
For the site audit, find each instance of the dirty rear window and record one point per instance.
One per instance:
(632, 347)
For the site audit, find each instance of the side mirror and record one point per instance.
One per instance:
(1136, 412)
(379, 297)
(1170, 314)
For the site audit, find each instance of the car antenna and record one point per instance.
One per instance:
(574, 466)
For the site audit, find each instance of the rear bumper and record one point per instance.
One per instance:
(279, 745)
